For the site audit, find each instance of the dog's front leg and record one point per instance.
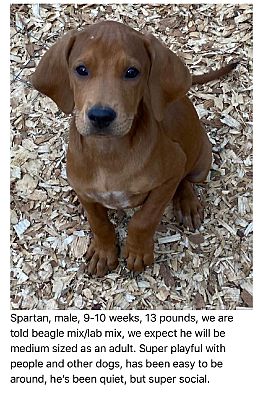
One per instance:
(102, 251)
(139, 245)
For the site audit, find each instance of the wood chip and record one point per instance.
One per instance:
(247, 298)
(169, 239)
(197, 238)
(79, 246)
(21, 227)
(199, 302)
(165, 273)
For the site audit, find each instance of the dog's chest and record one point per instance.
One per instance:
(114, 199)
(117, 199)
(112, 190)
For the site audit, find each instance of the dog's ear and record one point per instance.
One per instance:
(169, 78)
(51, 76)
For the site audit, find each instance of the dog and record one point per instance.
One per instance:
(135, 137)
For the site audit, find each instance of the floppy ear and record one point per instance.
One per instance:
(169, 78)
(51, 76)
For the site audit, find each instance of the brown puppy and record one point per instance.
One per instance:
(135, 137)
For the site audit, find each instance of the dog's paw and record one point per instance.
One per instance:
(138, 257)
(189, 214)
(187, 208)
(101, 259)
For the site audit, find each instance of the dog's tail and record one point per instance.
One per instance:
(213, 75)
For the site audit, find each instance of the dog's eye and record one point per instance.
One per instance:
(131, 73)
(82, 70)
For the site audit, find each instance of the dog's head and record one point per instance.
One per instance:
(103, 73)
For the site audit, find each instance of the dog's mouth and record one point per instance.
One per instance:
(101, 133)
(118, 128)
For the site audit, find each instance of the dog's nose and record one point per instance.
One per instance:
(101, 117)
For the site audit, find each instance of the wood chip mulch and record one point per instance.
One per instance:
(208, 269)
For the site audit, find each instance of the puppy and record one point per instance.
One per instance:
(135, 137)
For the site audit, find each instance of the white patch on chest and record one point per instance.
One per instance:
(112, 200)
